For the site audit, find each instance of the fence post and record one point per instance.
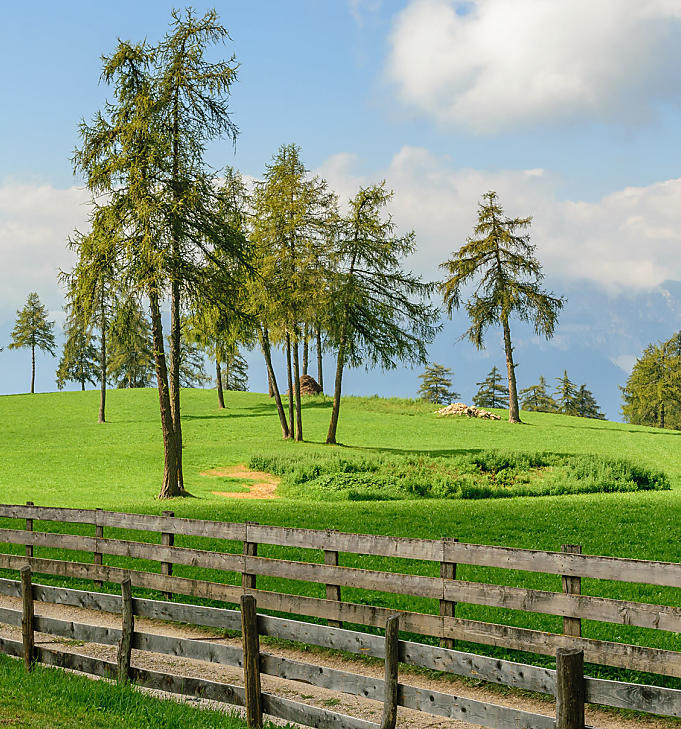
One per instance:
(447, 607)
(29, 528)
(333, 592)
(251, 647)
(27, 614)
(127, 629)
(570, 690)
(99, 534)
(572, 586)
(250, 550)
(167, 540)
(392, 628)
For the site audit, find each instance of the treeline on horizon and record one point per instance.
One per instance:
(277, 263)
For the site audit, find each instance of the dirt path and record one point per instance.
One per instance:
(264, 484)
(305, 693)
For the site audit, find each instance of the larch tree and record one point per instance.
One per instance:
(436, 385)
(566, 395)
(500, 262)
(587, 407)
(32, 330)
(131, 354)
(291, 214)
(537, 398)
(380, 312)
(492, 393)
(79, 360)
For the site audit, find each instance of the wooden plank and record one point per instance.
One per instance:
(251, 653)
(623, 612)
(390, 681)
(333, 592)
(27, 618)
(426, 549)
(46, 513)
(569, 689)
(571, 586)
(651, 699)
(167, 540)
(29, 528)
(250, 549)
(298, 713)
(664, 574)
(127, 630)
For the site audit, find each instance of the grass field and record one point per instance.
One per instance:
(55, 453)
(49, 698)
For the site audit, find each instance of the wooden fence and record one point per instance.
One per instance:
(569, 604)
(567, 683)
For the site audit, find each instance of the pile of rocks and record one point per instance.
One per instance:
(470, 411)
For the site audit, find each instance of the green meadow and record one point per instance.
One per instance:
(55, 453)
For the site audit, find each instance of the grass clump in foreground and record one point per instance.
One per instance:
(49, 698)
(488, 474)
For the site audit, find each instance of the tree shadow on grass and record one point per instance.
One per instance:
(658, 431)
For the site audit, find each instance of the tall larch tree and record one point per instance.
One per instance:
(492, 393)
(436, 384)
(380, 312)
(79, 360)
(193, 110)
(32, 330)
(537, 398)
(500, 262)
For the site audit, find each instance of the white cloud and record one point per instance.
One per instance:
(628, 240)
(360, 9)
(489, 65)
(625, 362)
(35, 222)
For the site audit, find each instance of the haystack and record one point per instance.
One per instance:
(309, 386)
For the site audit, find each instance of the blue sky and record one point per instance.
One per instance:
(569, 109)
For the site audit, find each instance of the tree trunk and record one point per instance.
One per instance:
(320, 377)
(662, 415)
(102, 359)
(218, 379)
(340, 362)
(171, 485)
(174, 383)
(265, 345)
(32, 368)
(82, 385)
(296, 390)
(270, 388)
(306, 349)
(291, 416)
(513, 410)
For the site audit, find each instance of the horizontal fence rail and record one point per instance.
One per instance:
(449, 591)
(638, 697)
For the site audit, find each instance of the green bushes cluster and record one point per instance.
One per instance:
(483, 475)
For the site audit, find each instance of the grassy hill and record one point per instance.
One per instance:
(55, 453)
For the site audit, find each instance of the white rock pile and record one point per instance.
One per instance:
(470, 411)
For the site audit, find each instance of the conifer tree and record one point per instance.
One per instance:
(436, 385)
(566, 395)
(587, 407)
(652, 394)
(502, 262)
(32, 330)
(235, 372)
(537, 398)
(380, 314)
(492, 393)
(80, 360)
(131, 356)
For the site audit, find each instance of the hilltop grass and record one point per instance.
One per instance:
(49, 698)
(56, 454)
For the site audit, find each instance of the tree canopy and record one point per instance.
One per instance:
(436, 385)
(32, 330)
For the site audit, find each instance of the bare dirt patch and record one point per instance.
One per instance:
(323, 698)
(264, 484)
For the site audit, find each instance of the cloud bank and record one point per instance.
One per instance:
(630, 240)
(491, 65)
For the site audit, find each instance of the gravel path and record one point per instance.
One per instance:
(297, 691)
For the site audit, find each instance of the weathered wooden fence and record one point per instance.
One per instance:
(567, 683)
(570, 564)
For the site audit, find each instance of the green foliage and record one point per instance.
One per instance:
(80, 360)
(436, 385)
(32, 330)
(235, 372)
(131, 357)
(492, 393)
(652, 394)
(566, 395)
(489, 474)
(192, 365)
(587, 407)
(536, 398)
